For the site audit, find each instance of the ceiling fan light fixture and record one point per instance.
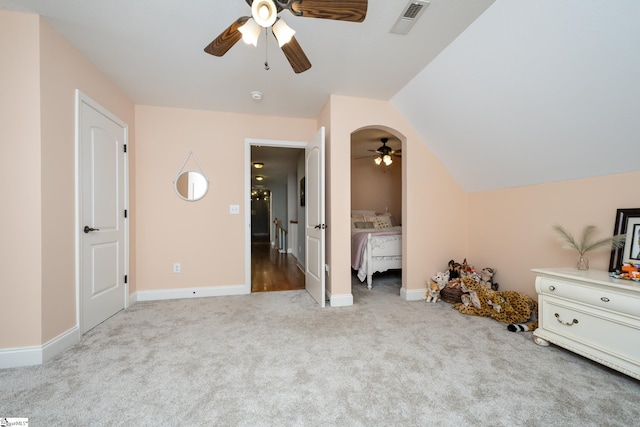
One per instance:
(378, 160)
(387, 159)
(283, 32)
(264, 12)
(250, 32)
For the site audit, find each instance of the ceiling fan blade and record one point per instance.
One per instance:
(226, 39)
(296, 56)
(341, 10)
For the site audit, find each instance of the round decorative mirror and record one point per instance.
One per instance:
(191, 185)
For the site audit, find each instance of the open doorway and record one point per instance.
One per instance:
(260, 214)
(277, 256)
(376, 209)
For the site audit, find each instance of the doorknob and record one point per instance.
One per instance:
(88, 229)
(322, 226)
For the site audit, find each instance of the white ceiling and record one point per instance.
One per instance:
(278, 164)
(153, 50)
(532, 91)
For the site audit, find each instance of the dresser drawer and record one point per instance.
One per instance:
(613, 335)
(607, 298)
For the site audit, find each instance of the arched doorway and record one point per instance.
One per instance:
(376, 193)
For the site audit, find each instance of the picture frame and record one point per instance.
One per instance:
(627, 222)
(634, 253)
(302, 183)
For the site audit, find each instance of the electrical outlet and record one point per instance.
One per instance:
(176, 267)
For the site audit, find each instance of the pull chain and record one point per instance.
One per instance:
(266, 50)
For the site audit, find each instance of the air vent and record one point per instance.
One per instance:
(409, 16)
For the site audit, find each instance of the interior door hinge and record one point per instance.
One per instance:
(125, 148)
(125, 213)
(126, 278)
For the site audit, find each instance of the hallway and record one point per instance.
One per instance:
(272, 271)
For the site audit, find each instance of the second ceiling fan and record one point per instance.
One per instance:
(264, 14)
(385, 153)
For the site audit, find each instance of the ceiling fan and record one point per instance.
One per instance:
(264, 14)
(385, 153)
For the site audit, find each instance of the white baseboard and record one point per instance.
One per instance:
(36, 355)
(345, 300)
(210, 291)
(413, 294)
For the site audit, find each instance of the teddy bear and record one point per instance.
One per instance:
(454, 269)
(486, 278)
(438, 282)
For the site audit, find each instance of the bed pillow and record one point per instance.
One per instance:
(372, 217)
(363, 224)
(382, 221)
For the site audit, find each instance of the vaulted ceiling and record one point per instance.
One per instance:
(534, 91)
(506, 94)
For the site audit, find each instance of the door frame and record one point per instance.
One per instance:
(248, 143)
(81, 98)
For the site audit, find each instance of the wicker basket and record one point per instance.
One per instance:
(451, 295)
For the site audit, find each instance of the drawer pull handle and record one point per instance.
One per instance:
(604, 299)
(566, 323)
(552, 288)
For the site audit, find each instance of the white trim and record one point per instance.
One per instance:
(59, 344)
(344, 300)
(36, 355)
(413, 294)
(82, 98)
(202, 292)
(248, 142)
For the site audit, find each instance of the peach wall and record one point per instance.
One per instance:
(510, 229)
(63, 70)
(20, 157)
(39, 75)
(434, 206)
(202, 236)
(376, 187)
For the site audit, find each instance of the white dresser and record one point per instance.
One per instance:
(591, 314)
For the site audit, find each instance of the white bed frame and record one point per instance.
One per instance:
(382, 256)
(381, 253)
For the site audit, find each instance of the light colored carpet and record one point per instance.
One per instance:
(278, 359)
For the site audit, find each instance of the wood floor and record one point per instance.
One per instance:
(273, 271)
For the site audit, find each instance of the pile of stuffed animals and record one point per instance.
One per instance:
(454, 274)
(480, 296)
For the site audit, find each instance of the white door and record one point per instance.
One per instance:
(315, 218)
(102, 203)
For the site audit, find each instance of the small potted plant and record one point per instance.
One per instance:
(585, 244)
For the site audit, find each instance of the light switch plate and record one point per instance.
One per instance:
(234, 209)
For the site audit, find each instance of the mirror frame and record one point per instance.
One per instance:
(205, 190)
